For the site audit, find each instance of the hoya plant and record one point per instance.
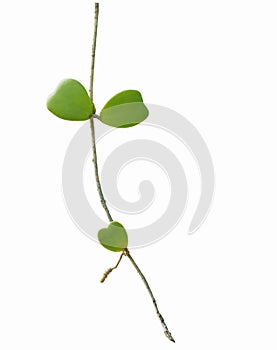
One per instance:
(71, 101)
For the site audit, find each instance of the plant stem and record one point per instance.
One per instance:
(106, 274)
(99, 188)
(166, 331)
(95, 29)
(98, 183)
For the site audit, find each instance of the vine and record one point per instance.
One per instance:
(71, 101)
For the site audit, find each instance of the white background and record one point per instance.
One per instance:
(214, 61)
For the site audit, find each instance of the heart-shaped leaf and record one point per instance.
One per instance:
(124, 110)
(114, 237)
(70, 101)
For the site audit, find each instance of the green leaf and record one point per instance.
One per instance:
(114, 237)
(70, 101)
(124, 110)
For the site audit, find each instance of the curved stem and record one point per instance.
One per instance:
(98, 183)
(99, 188)
(106, 274)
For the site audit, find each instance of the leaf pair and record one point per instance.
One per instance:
(71, 101)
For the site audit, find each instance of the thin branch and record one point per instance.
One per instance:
(106, 274)
(99, 188)
(95, 29)
(166, 331)
(98, 183)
